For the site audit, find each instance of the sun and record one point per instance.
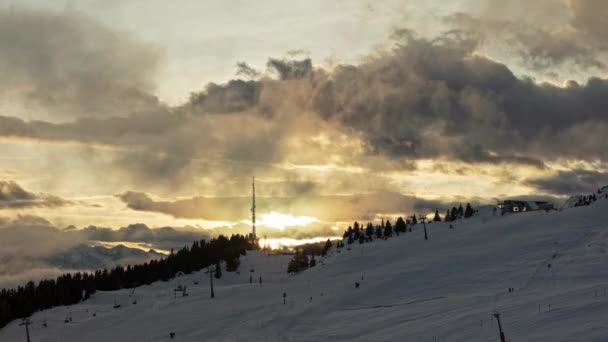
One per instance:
(280, 221)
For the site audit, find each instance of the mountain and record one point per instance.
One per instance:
(85, 257)
(443, 289)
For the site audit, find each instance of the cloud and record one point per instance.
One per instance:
(547, 35)
(33, 248)
(12, 195)
(571, 182)
(424, 98)
(163, 238)
(65, 65)
(327, 208)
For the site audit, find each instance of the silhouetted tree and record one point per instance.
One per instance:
(356, 231)
(298, 263)
(388, 229)
(468, 212)
(378, 232)
(218, 270)
(369, 231)
(437, 218)
(454, 214)
(326, 248)
(400, 225)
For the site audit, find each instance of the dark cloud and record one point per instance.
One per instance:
(234, 96)
(288, 69)
(424, 98)
(436, 98)
(547, 35)
(32, 248)
(163, 238)
(245, 70)
(12, 195)
(571, 182)
(64, 65)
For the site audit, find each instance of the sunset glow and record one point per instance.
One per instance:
(281, 221)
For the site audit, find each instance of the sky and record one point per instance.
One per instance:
(116, 113)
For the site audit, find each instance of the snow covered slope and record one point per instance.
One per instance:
(443, 289)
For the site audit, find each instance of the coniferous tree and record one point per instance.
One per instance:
(448, 217)
(350, 239)
(232, 263)
(378, 232)
(414, 219)
(437, 218)
(400, 225)
(298, 263)
(460, 211)
(388, 229)
(313, 262)
(468, 212)
(218, 270)
(348, 232)
(361, 239)
(454, 214)
(356, 230)
(369, 231)
(326, 248)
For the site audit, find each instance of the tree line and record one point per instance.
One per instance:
(362, 234)
(71, 288)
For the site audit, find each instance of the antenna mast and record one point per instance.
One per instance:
(253, 208)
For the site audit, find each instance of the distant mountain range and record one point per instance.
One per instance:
(85, 257)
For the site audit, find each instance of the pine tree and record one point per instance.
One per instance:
(388, 229)
(232, 264)
(454, 214)
(378, 232)
(369, 231)
(313, 262)
(460, 211)
(356, 230)
(437, 218)
(350, 239)
(218, 270)
(326, 248)
(468, 212)
(414, 219)
(298, 263)
(400, 225)
(447, 217)
(361, 239)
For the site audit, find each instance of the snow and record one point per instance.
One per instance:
(443, 289)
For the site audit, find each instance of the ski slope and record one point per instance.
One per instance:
(443, 289)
